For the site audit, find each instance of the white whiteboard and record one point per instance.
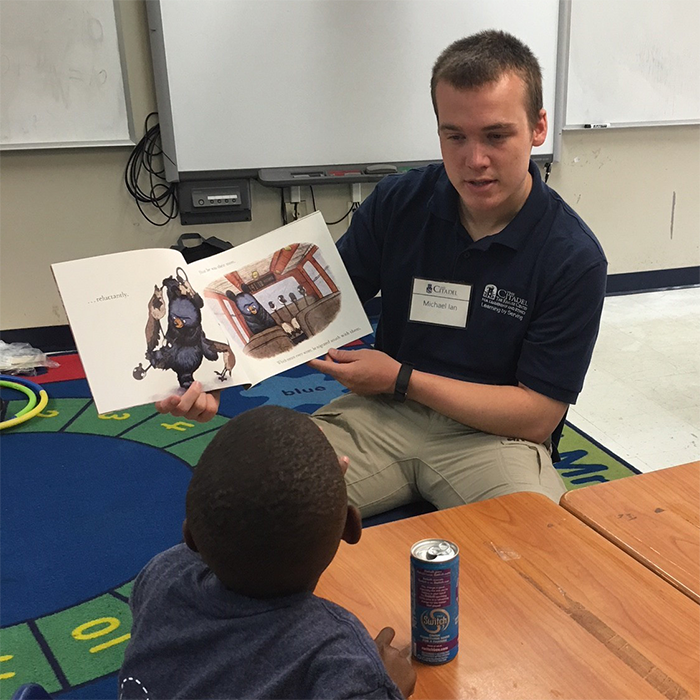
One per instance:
(250, 84)
(633, 62)
(61, 77)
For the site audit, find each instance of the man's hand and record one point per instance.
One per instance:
(397, 662)
(194, 404)
(364, 372)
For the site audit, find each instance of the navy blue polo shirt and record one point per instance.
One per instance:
(537, 286)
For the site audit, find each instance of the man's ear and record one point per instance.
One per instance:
(353, 526)
(539, 133)
(187, 534)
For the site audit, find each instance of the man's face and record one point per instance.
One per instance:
(486, 139)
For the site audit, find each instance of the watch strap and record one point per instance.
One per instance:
(401, 386)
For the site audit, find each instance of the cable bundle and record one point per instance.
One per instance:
(160, 193)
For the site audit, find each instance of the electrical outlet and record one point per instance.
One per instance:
(292, 195)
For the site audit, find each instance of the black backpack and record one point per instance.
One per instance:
(194, 247)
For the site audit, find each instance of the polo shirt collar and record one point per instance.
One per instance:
(445, 205)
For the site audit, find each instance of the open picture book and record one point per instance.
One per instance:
(147, 323)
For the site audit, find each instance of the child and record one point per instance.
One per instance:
(231, 612)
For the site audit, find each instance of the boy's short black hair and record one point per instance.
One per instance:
(483, 58)
(267, 503)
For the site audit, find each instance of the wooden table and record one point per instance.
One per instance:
(548, 607)
(655, 517)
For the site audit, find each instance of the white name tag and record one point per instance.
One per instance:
(440, 303)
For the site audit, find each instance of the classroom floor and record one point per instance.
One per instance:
(641, 397)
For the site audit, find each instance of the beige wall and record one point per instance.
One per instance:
(622, 182)
(64, 204)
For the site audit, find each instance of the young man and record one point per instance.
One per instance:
(487, 382)
(492, 290)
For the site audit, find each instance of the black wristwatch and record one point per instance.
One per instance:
(401, 386)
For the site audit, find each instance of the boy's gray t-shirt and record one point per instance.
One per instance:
(193, 638)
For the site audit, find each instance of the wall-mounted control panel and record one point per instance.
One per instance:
(214, 201)
(217, 197)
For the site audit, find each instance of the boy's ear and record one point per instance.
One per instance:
(187, 534)
(353, 526)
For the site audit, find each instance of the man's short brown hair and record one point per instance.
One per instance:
(483, 58)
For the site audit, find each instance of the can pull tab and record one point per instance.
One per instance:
(437, 550)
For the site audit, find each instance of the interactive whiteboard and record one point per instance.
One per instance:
(254, 84)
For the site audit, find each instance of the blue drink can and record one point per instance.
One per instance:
(434, 601)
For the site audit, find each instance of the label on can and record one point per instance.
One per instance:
(434, 601)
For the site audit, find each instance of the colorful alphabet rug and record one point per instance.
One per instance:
(88, 499)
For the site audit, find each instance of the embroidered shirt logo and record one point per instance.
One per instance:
(503, 302)
(490, 291)
(131, 687)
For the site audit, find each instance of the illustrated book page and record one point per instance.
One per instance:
(132, 317)
(147, 324)
(283, 298)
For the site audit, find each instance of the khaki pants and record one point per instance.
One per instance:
(401, 453)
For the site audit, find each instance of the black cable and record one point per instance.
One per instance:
(353, 208)
(285, 220)
(283, 208)
(160, 193)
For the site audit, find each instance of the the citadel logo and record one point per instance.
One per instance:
(503, 302)
(429, 288)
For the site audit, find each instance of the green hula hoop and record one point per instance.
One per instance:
(31, 396)
(30, 409)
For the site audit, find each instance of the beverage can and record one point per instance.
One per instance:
(434, 601)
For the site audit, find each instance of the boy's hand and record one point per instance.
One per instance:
(194, 404)
(397, 662)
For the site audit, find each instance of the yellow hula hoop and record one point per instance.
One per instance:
(31, 395)
(43, 400)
